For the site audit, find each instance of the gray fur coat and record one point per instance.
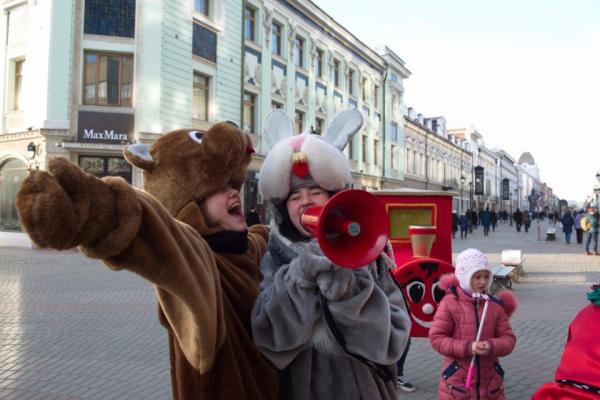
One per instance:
(289, 329)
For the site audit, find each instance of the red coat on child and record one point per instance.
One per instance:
(453, 330)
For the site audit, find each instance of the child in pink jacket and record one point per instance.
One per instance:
(454, 331)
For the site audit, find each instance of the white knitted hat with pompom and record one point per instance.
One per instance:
(467, 263)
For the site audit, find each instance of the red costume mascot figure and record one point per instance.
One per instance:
(578, 375)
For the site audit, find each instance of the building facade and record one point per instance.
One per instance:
(298, 59)
(436, 160)
(83, 78)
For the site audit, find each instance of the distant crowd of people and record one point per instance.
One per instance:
(583, 224)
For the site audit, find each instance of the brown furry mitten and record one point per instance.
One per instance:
(66, 207)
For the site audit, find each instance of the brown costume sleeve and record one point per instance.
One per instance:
(174, 257)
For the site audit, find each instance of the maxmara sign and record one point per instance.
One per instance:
(108, 128)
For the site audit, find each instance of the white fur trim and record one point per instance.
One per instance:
(327, 165)
(274, 182)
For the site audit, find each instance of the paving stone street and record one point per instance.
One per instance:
(72, 329)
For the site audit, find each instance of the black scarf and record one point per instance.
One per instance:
(228, 242)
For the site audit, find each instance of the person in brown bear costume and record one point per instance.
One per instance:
(185, 234)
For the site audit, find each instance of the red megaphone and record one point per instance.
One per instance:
(352, 227)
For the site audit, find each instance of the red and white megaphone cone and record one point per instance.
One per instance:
(352, 227)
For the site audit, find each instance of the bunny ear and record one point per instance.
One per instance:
(344, 125)
(277, 125)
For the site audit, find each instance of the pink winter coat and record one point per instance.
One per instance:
(453, 330)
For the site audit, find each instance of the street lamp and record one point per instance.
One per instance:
(510, 204)
(471, 195)
(597, 190)
(462, 184)
(31, 150)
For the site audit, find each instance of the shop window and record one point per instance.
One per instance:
(110, 17)
(106, 166)
(201, 97)
(12, 174)
(108, 79)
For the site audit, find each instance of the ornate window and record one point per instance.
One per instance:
(299, 52)
(276, 32)
(319, 64)
(250, 23)
(249, 121)
(106, 166)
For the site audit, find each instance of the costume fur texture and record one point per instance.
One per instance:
(205, 298)
(327, 165)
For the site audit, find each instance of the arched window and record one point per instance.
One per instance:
(12, 173)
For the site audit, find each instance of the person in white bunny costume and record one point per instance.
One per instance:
(333, 332)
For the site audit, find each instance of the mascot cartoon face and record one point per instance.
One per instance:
(419, 280)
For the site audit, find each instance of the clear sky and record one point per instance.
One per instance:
(524, 73)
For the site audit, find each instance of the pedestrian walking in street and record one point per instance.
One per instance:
(454, 223)
(312, 318)
(526, 220)
(567, 223)
(464, 226)
(469, 215)
(474, 219)
(589, 223)
(577, 225)
(485, 221)
(494, 220)
(455, 326)
(518, 217)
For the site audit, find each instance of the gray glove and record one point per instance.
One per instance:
(305, 268)
(335, 283)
